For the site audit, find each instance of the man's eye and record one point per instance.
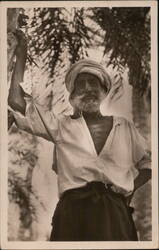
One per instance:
(78, 87)
(80, 84)
(93, 82)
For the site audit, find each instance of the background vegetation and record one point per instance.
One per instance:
(56, 38)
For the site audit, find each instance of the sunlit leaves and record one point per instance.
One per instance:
(127, 39)
(55, 30)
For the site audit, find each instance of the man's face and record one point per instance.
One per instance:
(88, 92)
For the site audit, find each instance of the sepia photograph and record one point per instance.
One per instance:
(79, 125)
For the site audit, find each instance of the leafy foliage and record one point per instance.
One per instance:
(19, 193)
(127, 40)
(22, 160)
(55, 30)
(61, 36)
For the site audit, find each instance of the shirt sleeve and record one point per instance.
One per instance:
(141, 155)
(37, 120)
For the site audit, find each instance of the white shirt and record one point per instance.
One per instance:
(118, 162)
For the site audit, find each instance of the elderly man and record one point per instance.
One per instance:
(101, 160)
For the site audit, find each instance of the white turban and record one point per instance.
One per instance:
(87, 66)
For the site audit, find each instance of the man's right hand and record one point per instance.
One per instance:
(21, 50)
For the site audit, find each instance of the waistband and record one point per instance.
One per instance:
(92, 189)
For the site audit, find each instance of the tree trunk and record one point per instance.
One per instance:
(142, 197)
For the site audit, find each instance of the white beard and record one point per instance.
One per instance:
(87, 105)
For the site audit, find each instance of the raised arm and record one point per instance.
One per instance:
(16, 94)
(28, 114)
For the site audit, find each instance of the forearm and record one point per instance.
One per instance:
(16, 94)
(142, 178)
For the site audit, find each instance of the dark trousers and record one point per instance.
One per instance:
(93, 213)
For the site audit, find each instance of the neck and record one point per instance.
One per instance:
(94, 114)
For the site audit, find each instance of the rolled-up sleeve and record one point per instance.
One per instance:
(141, 155)
(37, 121)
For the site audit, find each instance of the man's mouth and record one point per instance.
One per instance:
(89, 97)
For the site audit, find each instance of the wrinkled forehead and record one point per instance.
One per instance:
(89, 67)
(86, 76)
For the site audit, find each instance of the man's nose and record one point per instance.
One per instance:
(87, 85)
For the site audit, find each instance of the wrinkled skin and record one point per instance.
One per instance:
(88, 93)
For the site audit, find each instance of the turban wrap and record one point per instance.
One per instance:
(87, 66)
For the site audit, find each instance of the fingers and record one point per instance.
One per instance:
(117, 77)
(118, 81)
(19, 34)
(117, 96)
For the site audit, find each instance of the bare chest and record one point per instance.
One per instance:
(99, 131)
